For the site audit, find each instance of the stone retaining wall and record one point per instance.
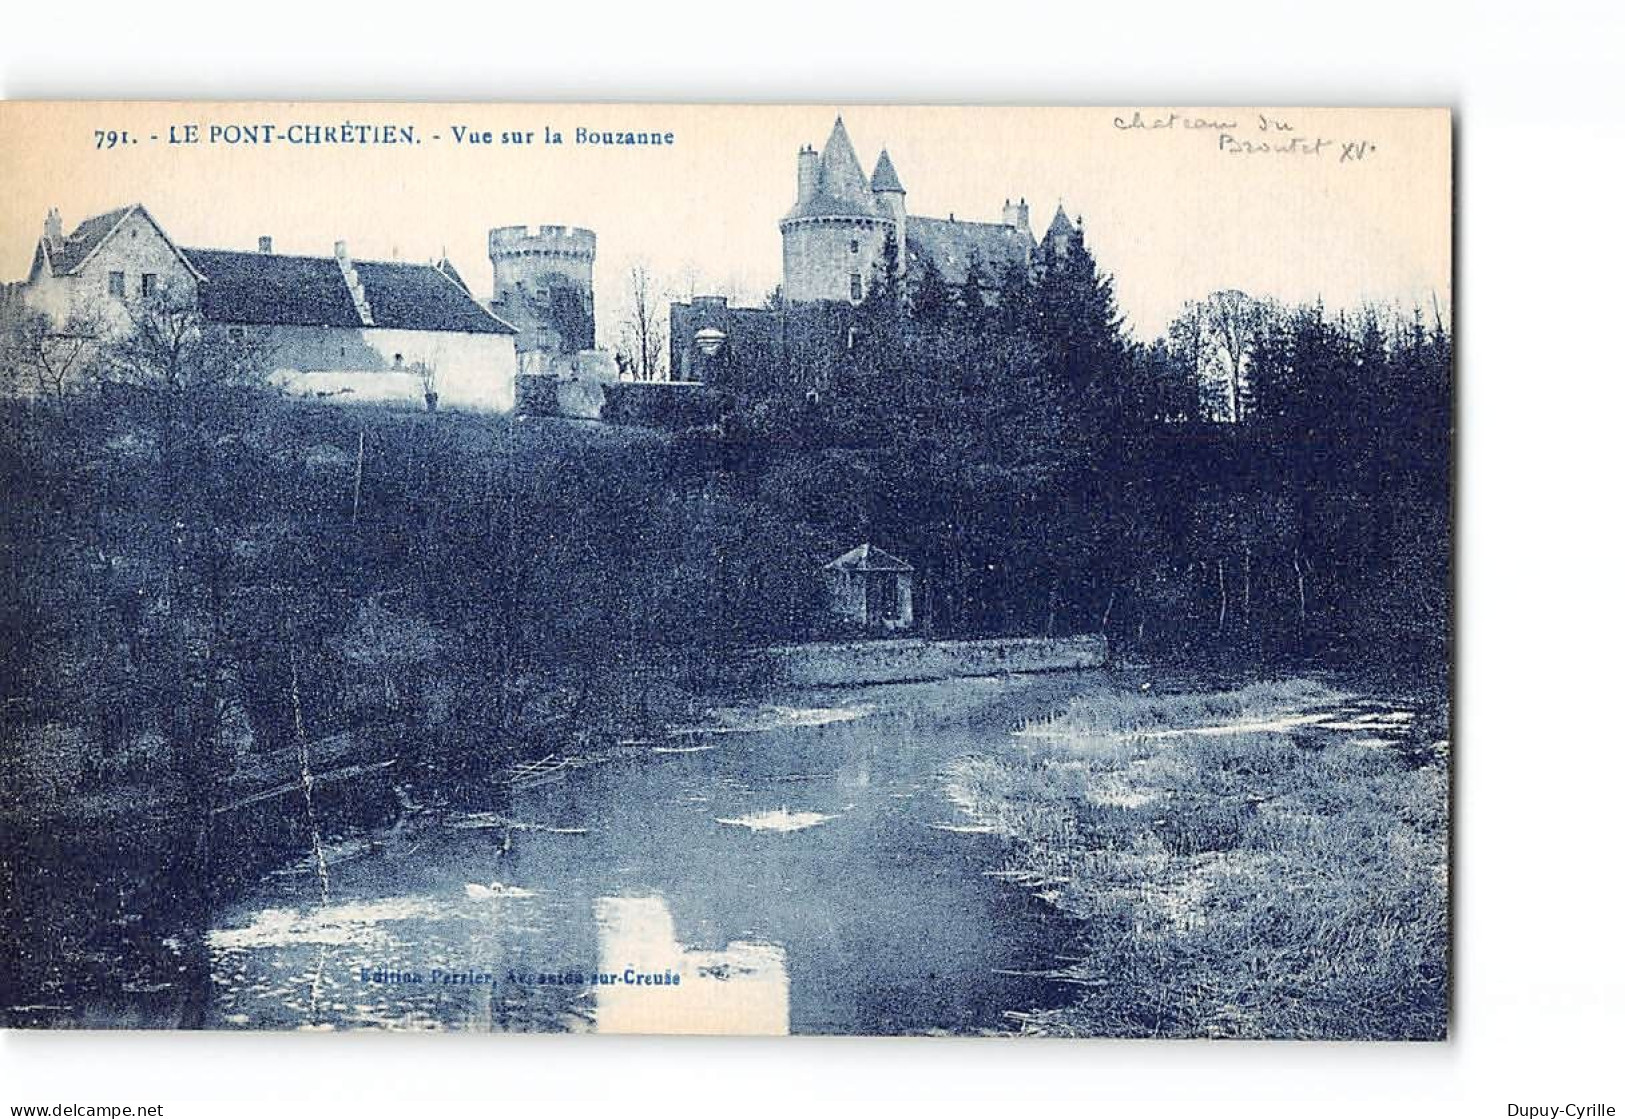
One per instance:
(885, 662)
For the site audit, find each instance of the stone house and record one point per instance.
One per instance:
(356, 330)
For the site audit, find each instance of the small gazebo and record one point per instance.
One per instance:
(871, 587)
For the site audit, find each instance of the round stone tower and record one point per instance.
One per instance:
(834, 234)
(542, 284)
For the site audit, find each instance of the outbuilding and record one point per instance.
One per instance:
(872, 588)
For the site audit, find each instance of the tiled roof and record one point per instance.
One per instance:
(867, 557)
(268, 289)
(885, 176)
(79, 244)
(445, 266)
(951, 244)
(1060, 226)
(271, 289)
(421, 297)
(841, 189)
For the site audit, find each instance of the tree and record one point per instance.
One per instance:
(1163, 388)
(971, 307)
(643, 332)
(171, 350)
(886, 285)
(931, 298)
(54, 361)
(1077, 321)
(1217, 336)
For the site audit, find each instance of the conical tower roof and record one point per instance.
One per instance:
(1060, 226)
(885, 176)
(842, 189)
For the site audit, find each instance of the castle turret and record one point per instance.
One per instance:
(834, 233)
(53, 230)
(542, 285)
(891, 197)
(1058, 239)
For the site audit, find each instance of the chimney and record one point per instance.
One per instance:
(1015, 215)
(806, 173)
(265, 245)
(341, 251)
(53, 230)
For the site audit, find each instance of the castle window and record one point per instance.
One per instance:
(857, 286)
(854, 245)
(115, 284)
(149, 284)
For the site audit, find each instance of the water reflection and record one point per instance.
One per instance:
(815, 843)
(656, 986)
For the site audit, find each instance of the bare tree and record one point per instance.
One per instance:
(52, 361)
(1235, 320)
(643, 334)
(172, 349)
(1216, 336)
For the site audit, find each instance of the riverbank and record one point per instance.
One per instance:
(1269, 861)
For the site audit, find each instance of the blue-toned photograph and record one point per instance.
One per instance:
(872, 570)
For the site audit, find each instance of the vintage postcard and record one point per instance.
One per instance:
(832, 569)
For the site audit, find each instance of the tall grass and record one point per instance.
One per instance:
(1113, 714)
(1246, 885)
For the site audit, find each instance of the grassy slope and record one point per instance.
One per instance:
(1246, 884)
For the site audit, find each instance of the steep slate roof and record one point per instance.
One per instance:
(84, 240)
(867, 557)
(885, 176)
(268, 289)
(444, 265)
(841, 189)
(88, 236)
(421, 297)
(951, 244)
(1060, 226)
(271, 289)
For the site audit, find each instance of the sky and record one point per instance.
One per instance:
(1346, 206)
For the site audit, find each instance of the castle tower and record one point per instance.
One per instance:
(890, 197)
(834, 234)
(1058, 239)
(542, 284)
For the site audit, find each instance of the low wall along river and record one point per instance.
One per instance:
(888, 662)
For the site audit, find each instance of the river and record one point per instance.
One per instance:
(790, 866)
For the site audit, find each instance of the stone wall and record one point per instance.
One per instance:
(886, 662)
(472, 372)
(819, 261)
(136, 248)
(542, 284)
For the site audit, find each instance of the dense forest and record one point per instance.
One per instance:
(1263, 482)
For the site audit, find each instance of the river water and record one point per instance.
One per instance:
(791, 866)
